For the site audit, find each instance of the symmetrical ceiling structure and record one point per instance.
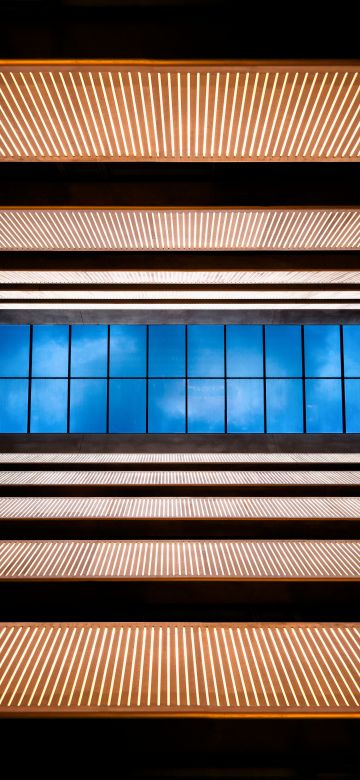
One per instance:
(183, 510)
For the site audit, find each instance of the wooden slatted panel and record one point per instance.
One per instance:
(150, 458)
(180, 112)
(179, 478)
(180, 559)
(179, 229)
(179, 508)
(267, 669)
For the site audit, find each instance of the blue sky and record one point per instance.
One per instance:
(165, 391)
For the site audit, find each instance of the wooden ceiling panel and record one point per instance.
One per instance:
(177, 111)
(167, 669)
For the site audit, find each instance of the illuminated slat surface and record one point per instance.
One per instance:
(179, 508)
(210, 305)
(180, 112)
(241, 669)
(179, 478)
(179, 457)
(180, 278)
(89, 560)
(172, 296)
(182, 229)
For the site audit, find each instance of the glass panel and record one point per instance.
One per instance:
(167, 406)
(323, 406)
(283, 350)
(127, 412)
(352, 405)
(88, 405)
(167, 350)
(50, 350)
(206, 406)
(245, 406)
(284, 406)
(351, 335)
(244, 350)
(322, 350)
(128, 350)
(205, 350)
(89, 350)
(14, 350)
(13, 405)
(49, 406)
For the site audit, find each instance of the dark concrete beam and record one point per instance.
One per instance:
(108, 442)
(179, 316)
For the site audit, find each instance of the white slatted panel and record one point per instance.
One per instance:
(227, 559)
(179, 457)
(179, 508)
(161, 278)
(179, 478)
(179, 230)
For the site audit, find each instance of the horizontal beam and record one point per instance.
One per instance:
(220, 313)
(171, 669)
(253, 447)
(136, 111)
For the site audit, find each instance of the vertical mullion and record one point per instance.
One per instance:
(342, 379)
(147, 379)
(108, 380)
(303, 376)
(69, 375)
(29, 379)
(186, 378)
(264, 377)
(225, 379)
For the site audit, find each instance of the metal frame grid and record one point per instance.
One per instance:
(147, 377)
